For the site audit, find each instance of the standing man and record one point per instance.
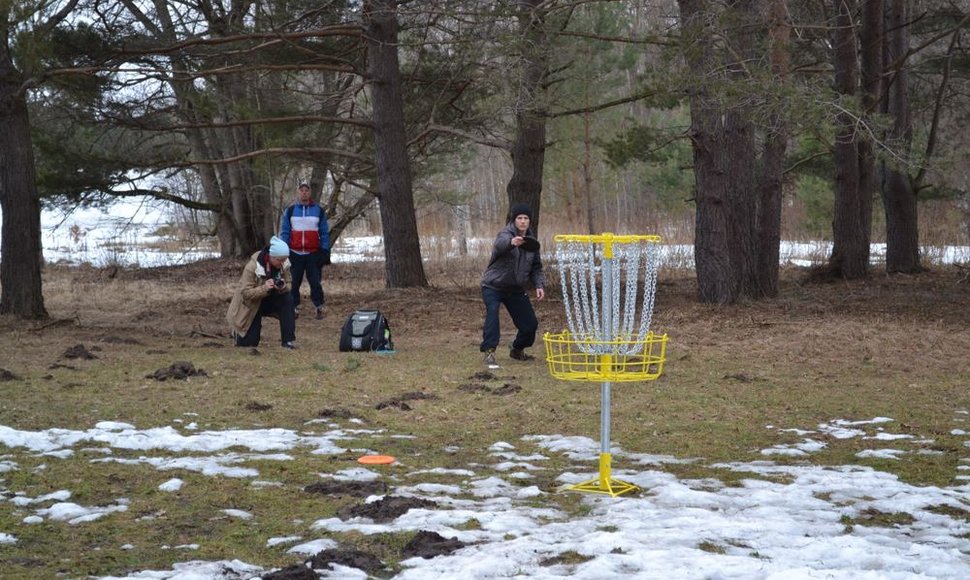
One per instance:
(305, 229)
(263, 290)
(513, 265)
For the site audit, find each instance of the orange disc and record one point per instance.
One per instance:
(376, 459)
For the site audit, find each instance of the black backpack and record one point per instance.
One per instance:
(366, 330)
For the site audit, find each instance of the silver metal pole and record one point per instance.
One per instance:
(605, 417)
(607, 316)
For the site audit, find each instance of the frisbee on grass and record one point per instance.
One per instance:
(376, 459)
(529, 244)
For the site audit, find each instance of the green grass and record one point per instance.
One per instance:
(734, 379)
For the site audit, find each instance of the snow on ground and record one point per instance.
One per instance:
(122, 234)
(792, 522)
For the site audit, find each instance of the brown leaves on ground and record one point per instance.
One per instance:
(427, 544)
(388, 508)
(181, 370)
(505, 389)
(78, 351)
(346, 557)
(352, 488)
(400, 401)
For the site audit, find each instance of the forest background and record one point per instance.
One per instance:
(728, 125)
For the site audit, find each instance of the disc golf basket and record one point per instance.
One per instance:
(608, 287)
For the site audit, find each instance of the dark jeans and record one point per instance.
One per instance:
(520, 309)
(279, 306)
(308, 264)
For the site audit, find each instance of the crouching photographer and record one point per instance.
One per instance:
(263, 290)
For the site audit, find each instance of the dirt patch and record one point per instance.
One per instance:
(400, 401)
(740, 377)
(474, 388)
(569, 557)
(334, 414)
(181, 370)
(387, 509)
(79, 351)
(294, 572)
(506, 389)
(256, 406)
(427, 544)
(354, 488)
(6, 375)
(62, 366)
(352, 558)
(120, 340)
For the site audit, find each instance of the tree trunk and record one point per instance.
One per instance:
(898, 194)
(402, 248)
(21, 254)
(722, 138)
(588, 171)
(529, 148)
(870, 57)
(850, 238)
(773, 162)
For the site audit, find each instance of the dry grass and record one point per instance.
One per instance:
(889, 346)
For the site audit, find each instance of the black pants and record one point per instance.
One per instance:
(279, 305)
(520, 309)
(308, 264)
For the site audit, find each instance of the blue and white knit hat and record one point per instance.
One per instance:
(278, 248)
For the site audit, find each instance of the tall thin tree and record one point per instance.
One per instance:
(852, 211)
(529, 145)
(897, 188)
(722, 136)
(402, 250)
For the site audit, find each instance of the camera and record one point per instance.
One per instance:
(280, 283)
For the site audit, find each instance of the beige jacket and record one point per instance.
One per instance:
(250, 292)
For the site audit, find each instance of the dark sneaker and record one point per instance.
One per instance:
(490, 359)
(319, 313)
(519, 354)
(290, 345)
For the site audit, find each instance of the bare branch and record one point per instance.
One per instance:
(273, 38)
(275, 151)
(55, 19)
(602, 106)
(937, 109)
(248, 122)
(164, 195)
(430, 129)
(659, 41)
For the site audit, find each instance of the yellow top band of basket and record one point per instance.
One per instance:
(604, 238)
(607, 239)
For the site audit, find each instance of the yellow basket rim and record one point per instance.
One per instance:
(607, 237)
(568, 359)
(567, 336)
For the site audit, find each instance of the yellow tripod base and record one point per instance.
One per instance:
(604, 483)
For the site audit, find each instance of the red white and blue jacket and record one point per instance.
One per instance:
(304, 228)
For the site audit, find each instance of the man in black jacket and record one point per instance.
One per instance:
(510, 270)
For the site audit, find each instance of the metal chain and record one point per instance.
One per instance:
(579, 267)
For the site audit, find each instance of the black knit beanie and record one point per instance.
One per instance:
(520, 209)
